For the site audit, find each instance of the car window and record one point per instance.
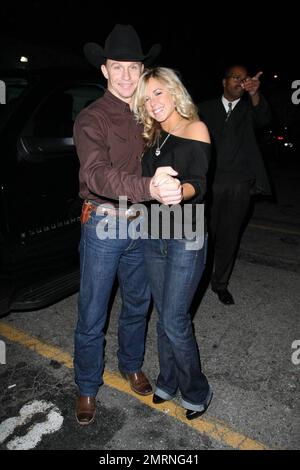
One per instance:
(11, 88)
(56, 115)
(83, 95)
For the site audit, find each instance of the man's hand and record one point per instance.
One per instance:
(162, 178)
(251, 85)
(164, 188)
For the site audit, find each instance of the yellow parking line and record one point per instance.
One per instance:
(30, 342)
(209, 426)
(274, 229)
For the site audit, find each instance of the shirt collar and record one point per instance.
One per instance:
(225, 102)
(119, 104)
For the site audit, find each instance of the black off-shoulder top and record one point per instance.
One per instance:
(190, 158)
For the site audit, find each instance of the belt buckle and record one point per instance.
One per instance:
(118, 213)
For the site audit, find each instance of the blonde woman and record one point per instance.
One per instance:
(175, 137)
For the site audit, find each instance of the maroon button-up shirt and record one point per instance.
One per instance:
(109, 146)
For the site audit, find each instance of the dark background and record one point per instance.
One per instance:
(198, 39)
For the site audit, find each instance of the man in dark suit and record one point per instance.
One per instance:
(238, 169)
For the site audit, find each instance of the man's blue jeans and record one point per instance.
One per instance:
(100, 261)
(174, 273)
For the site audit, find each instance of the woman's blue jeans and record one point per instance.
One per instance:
(100, 261)
(174, 273)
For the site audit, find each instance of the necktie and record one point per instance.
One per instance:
(229, 110)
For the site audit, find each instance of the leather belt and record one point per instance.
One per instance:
(89, 207)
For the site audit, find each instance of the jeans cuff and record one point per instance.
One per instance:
(201, 407)
(164, 395)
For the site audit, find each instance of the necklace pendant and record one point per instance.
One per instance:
(157, 152)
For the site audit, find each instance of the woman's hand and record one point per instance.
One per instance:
(164, 174)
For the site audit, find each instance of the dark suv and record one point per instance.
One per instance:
(39, 203)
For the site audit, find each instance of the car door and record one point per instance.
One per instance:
(45, 210)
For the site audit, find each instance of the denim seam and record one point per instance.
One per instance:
(83, 259)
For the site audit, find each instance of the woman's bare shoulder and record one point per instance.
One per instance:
(197, 130)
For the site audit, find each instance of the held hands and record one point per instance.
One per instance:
(251, 85)
(164, 174)
(164, 187)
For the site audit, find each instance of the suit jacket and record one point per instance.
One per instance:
(236, 154)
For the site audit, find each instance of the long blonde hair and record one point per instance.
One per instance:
(183, 102)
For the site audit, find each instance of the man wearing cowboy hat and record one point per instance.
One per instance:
(109, 145)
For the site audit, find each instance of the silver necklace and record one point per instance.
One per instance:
(157, 151)
(158, 148)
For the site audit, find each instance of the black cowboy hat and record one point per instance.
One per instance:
(122, 44)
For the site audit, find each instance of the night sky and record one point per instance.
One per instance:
(198, 45)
